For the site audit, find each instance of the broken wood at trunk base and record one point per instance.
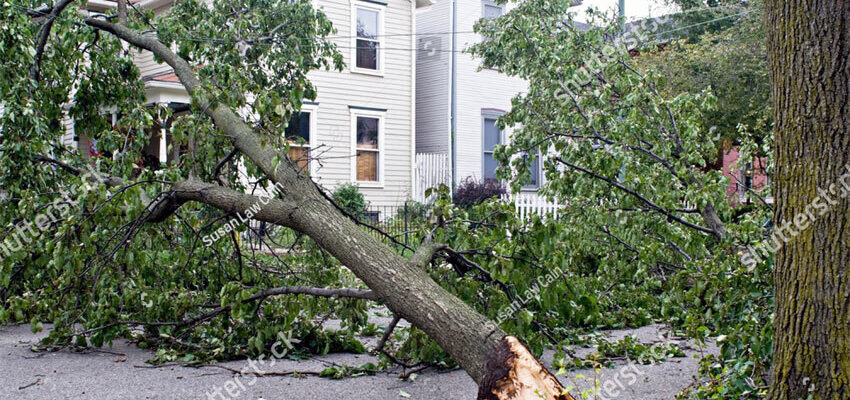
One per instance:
(513, 373)
(502, 365)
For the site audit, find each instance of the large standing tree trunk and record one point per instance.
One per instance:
(809, 50)
(501, 365)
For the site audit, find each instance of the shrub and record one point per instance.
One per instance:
(348, 197)
(472, 192)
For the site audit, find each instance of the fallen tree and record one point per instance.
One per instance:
(501, 364)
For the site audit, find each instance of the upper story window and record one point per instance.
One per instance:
(298, 136)
(492, 10)
(368, 41)
(492, 138)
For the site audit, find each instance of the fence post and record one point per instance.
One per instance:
(406, 228)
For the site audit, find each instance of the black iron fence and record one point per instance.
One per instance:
(388, 223)
(398, 222)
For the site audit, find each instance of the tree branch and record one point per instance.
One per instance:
(122, 12)
(380, 347)
(426, 252)
(638, 196)
(230, 123)
(310, 291)
(43, 35)
(94, 176)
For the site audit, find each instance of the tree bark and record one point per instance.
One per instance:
(809, 58)
(501, 364)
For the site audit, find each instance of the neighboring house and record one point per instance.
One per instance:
(453, 96)
(457, 104)
(363, 117)
(746, 183)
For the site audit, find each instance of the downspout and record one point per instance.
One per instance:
(622, 17)
(453, 100)
(413, 60)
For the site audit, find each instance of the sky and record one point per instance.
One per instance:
(635, 9)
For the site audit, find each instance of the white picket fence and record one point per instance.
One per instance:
(529, 204)
(432, 170)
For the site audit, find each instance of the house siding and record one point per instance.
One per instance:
(393, 91)
(144, 59)
(433, 73)
(338, 91)
(476, 91)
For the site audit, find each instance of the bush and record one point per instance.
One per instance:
(348, 197)
(472, 192)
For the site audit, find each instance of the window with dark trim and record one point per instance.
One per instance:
(368, 150)
(368, 41)
(297, 135)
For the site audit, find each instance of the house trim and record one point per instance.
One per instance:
(413, 164)
(166, 92)
(491, 3)
(361, 108)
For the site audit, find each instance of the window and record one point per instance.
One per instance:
(534, 168)
(492, 137)
(368, 145)
(367, 41)
(492, 10)
(298, 136)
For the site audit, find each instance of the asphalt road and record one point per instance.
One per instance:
(120, 372)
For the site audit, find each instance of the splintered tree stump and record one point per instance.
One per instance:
(514, 374)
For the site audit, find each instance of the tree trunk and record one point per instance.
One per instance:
(501, 365)
(809, 51)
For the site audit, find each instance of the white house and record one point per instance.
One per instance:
(456, 104)
(363, 117)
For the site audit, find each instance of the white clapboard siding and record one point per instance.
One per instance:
(432, 170)
(477, 91)
(527, 205)
(392, 91)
